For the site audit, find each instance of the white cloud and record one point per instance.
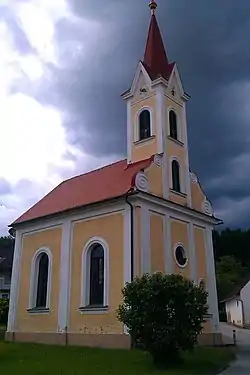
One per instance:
(35, 154)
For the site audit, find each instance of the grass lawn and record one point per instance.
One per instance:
(31, 359)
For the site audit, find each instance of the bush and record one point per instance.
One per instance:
(4, 309)
(164, 314)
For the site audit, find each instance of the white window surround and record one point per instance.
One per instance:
(137, 124)
(179, 128)
(34, 278)
(182, 185)
(179, 244)
(85, 277)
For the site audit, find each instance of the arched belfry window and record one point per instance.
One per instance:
(173, 125)
(42, 281)
(144, 125)
(96, 292)
(176, 176)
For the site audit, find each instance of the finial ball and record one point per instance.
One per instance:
(152, 6)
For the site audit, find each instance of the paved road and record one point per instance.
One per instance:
(242, 365)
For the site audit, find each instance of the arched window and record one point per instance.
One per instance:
(176, 176)
(173, 124)
(42, 280)
(96, 292)
(144, 125)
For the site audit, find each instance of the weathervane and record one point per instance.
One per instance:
(152, 6)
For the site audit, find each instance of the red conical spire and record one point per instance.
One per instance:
(155, 57)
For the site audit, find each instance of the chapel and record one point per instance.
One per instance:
(77, 247)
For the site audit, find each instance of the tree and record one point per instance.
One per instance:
(4, 309)
(229, 272)
(164, 314)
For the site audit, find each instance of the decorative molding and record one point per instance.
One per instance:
(167, 245)
(141, 182)
(207, 208)
(192, 251)
(145, 240)
(193, 177)
(127, 245)
(158, 160)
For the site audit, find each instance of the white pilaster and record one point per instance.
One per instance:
(185, 140)
(14, 291)
(167, 245)
(127, 245)
(130, 131)
(212, 291)
(65, 266)
(145, 240)
(192, 254)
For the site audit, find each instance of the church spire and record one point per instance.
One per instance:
(155, 57)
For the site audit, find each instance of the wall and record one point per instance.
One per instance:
(27, 322)
(110, 228)
(234, 311)
(245, 297)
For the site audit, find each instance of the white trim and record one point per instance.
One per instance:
(173, 73)
(137, 123)
(64, 291)
(130, 132)
(85, 276)
(182, 185)
(160, 119)
(34, 277)
(140, 69)
(179, 244)
(211, 280)
(14, 289)
(167, 244)
(89, 213)
(127, 245)
(174, 210)
(192, 251)
(145, 240)
(185, 140)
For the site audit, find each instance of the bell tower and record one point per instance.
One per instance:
(156, 115)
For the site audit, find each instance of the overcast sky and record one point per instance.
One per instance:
(63, 65)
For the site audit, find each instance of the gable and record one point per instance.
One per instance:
(175, 84)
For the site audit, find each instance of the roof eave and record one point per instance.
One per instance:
(14, 226)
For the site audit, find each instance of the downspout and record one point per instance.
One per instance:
(131, 236)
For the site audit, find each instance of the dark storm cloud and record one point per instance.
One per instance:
(209, 41)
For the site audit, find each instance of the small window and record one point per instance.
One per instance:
(42, 281)
(202, 284)
(180, 256)
(5, 295)
(173, 125)
(96, 293)
(144, 125)
(176, 176)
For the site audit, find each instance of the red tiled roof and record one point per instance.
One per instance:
(155, 58)
(102, 184)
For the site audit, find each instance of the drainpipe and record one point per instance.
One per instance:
(132, 236)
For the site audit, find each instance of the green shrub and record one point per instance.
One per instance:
(164, 314)
(4, 309)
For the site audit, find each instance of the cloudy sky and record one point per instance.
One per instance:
(64, 64)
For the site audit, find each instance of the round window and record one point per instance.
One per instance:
(180, 256)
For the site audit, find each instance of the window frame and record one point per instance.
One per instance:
(85, 277)
(179, 244)
(180, 176)
(137, 127)
(34, 280)
(177, 127)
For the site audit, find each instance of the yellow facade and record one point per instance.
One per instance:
(136, 237)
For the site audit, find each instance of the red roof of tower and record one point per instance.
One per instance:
(109, 182)
(155, 57)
